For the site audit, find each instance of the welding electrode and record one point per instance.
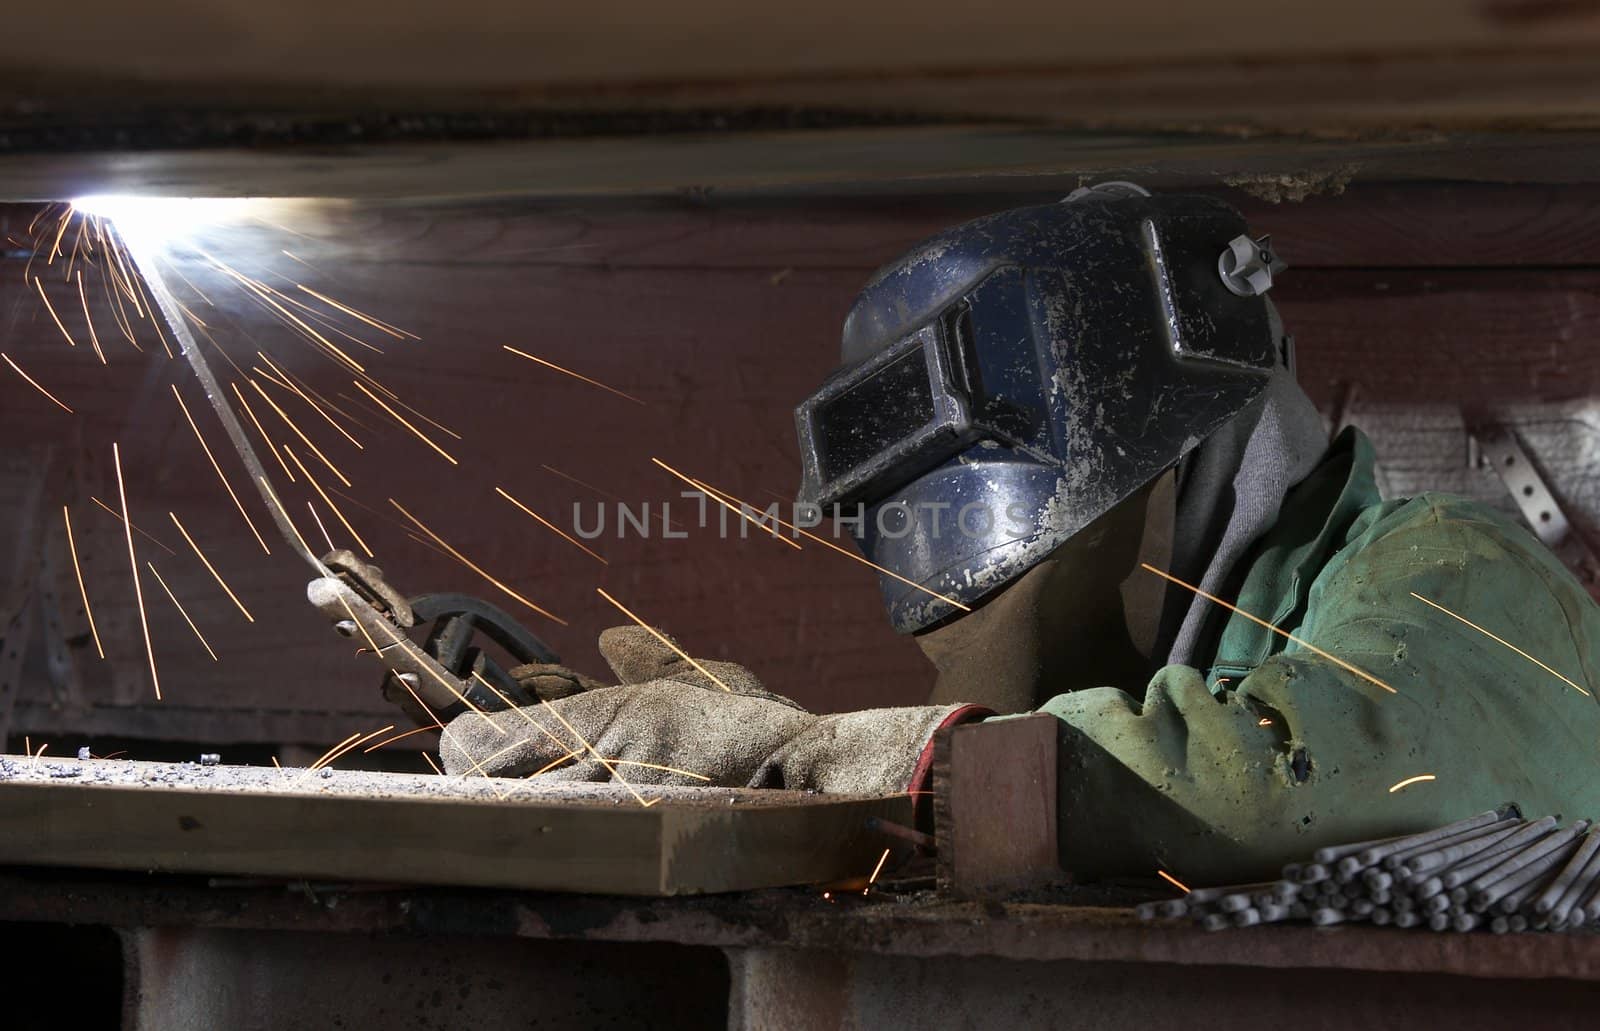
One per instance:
(1495, 871)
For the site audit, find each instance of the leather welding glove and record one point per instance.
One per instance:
(636, 656)
(671, 732)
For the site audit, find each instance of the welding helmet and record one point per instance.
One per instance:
(1013, 378)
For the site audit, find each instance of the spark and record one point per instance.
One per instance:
(1501, 640)
(53, 316)
(435, 765)
(289, 383)
(581, 483)
(1263, 722)
(1277, 630)
(275, 761)
(574, 375)
(325, 755)
(550, 526)
(218, 467)
(291, 424)
(93, 338)
(876, 871)
(210, 568)
(61, 229)
(262, 430)
(189, 313)
(473, 566)
(441, 427)
(375, 323)
(344, 749)
(138, 590)
(402, 421)
(701, 485)
(35, 383)
(740, 512)
(664, 640)
(1418, 779)
(1173, 880)
(318, 520)
(181, 610)
(118, 517)
(83, 591)
(324, 494)
(397, 737)
(552, 764)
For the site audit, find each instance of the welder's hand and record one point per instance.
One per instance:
(669, 732)
(636, 656)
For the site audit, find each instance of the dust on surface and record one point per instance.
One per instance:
(260, 780)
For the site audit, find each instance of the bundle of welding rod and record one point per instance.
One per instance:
(1496, 870)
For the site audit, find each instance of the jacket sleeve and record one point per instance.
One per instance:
(1302, 752)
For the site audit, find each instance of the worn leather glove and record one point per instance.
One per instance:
(636, 656)
(670, 732)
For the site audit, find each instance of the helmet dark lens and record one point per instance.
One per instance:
(875, 414)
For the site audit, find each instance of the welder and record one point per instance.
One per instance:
(1110, 368)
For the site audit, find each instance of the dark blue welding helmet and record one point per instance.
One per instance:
(1014, 378)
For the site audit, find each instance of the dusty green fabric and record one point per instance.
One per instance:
(1285, 750)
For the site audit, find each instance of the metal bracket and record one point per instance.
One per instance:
(1497, 447)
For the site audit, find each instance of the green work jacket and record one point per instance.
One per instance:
(1228, 772)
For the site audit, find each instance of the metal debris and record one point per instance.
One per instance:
(1495, 871)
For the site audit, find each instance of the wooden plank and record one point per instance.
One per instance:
(994, 805)
(370, 827)
(503, 45)
(952, 156)
(1366, 225)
